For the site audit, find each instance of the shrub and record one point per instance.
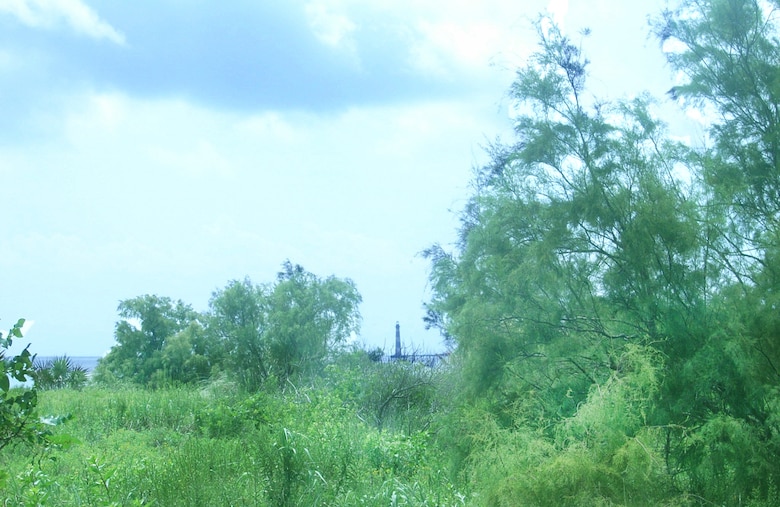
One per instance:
(59, 373)
(17, 405)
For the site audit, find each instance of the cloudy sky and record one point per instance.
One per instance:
(168, 148)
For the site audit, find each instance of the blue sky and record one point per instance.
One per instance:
(168, 148)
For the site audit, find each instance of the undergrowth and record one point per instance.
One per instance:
(194, 447)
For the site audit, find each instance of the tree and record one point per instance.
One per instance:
(579, 239)
(309, 319)
(148, 323)
(238, 318)
(285, 329)
(728, 54)
(188, 357)
(615, 322)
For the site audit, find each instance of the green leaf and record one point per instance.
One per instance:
(5, 383)
(17, 329)
(64, 440)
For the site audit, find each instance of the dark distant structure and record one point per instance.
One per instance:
(426, 359)
(397, 354)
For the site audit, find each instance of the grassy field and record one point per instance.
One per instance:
(361, 433)
(214, 445)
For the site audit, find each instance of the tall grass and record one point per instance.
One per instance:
(213, 446)
(100, 411)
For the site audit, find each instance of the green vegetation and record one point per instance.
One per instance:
(219, 445)
(19, 420)
(17, 406)
(612, 300)
(283, 330)
(59, 373)
(613, 293)
(251, 332)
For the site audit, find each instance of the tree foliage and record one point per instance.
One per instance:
(251, 331)
(147, 328)
(579, 239)
(238, 318)
(284, 329)
(398, 395)
(613, 292)
(309, 319)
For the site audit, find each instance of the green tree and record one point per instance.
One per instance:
(238, 316)
(148, 323)
(595, 245)
(309, 319)
(187, 357)
(579, 240)
(398, 396)
(613, 295)
(728, 54)
(285, 329)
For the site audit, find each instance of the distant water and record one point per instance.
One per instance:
(86, 362)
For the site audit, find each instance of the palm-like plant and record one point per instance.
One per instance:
(59, 373)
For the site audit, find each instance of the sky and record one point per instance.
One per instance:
(169, 148)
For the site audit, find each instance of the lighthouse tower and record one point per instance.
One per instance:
(397, 354)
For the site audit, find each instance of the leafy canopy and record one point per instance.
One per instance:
(613, 294)
(284, 329)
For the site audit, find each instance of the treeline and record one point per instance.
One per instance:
(250, 332)
(614, 291)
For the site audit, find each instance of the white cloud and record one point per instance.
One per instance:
(49, 14)
(697, 116)
(134, 322)
(444, 36)
(272, 125)
(469, 44)
(329, 27)
(105, 113)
